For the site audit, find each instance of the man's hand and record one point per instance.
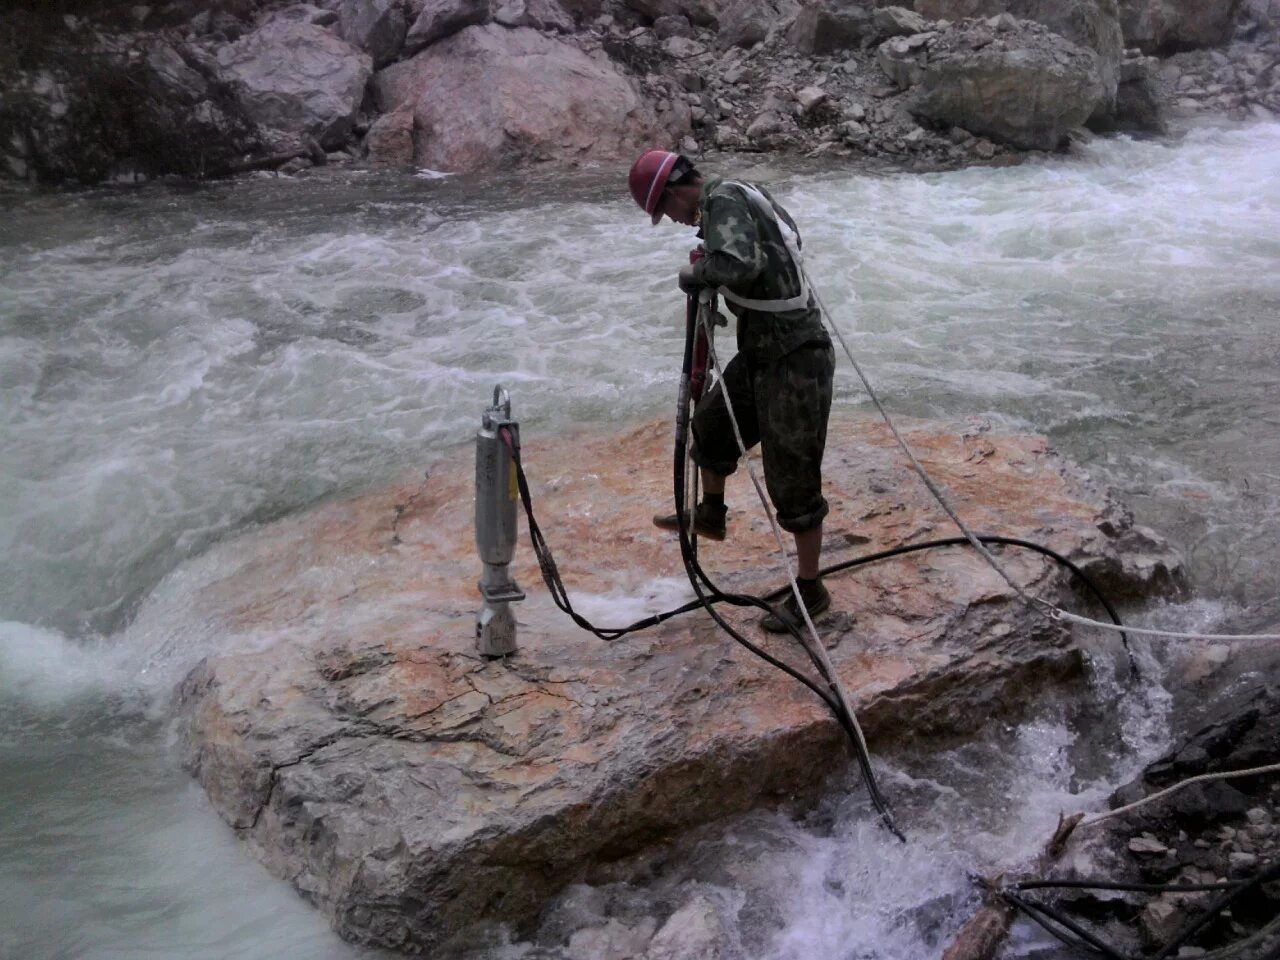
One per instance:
(689, 281)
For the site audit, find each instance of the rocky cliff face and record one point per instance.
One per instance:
(412, 790)
(201, 87)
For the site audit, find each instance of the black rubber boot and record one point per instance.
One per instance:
(816, 600)
(708, 522)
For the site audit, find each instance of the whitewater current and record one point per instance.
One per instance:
(179, 364)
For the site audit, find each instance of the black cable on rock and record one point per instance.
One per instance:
(1231, 892)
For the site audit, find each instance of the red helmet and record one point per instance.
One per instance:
(648, 178)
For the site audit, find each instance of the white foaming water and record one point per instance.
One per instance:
(178, 365)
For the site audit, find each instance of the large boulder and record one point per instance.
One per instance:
(1094, 24)
(826, 26)
(490, 97)
(442, 18)
(411, 790)
(1013, 81)
(746, 23)
(1167, 26)
(298, 78)
(377, 27)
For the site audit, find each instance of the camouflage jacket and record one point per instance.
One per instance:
(746, 253)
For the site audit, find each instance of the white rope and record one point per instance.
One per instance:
(1044, 607)
(818, 650)
(1228, 775)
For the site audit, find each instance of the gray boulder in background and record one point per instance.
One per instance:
(298, 78)
(826, 26)
(377, 27)
(1090, 23)
(898, 22)
(1169, 26)
(491, 97)
(903, 59)
(442, 18)
(1015, 82)
(746, 23)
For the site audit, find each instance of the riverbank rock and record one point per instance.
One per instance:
(378, 27)
(702, 74)
(490, 97)
(1093, 24)
(1011, 80)
(299, 78)
(1161, 26)
(412, 790)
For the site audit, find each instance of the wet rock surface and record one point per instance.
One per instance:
(412, 790)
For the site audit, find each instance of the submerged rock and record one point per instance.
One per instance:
(411, 789)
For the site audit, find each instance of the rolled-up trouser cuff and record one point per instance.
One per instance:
(805, 521)
(719, 467)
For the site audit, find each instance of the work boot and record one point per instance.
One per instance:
(816, 600)
(708, 521)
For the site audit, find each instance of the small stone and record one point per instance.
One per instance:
(674, 25)
(1159, 920)
(1258, 815)
(766, 124)
(295, 166)
(689, 146)
(853, 132)
(682, 48)
(855, 111)
(984, 149)
(1147, 844)
(692, 81)
(810, 98)
(1003, 22)
(1241, 861)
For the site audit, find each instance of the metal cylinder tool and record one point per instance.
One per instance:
(496, 529)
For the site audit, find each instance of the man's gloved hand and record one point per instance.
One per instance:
(689, 281)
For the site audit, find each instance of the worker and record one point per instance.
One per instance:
(780, 381)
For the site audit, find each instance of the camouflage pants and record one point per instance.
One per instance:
(781, 403)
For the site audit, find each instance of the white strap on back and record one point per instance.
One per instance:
(792, 241)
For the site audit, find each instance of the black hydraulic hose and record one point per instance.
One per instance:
(1131, 887)
(992, 539)
(1231, 892)
(1042, 914)
(1216, 908)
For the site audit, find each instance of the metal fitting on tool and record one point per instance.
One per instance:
(496, 529)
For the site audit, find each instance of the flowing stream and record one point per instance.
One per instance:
(179, 364)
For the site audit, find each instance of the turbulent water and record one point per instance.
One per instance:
(179, 364)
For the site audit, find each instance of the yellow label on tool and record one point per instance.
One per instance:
(512, 490)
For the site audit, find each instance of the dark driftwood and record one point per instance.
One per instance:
(982, 935)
